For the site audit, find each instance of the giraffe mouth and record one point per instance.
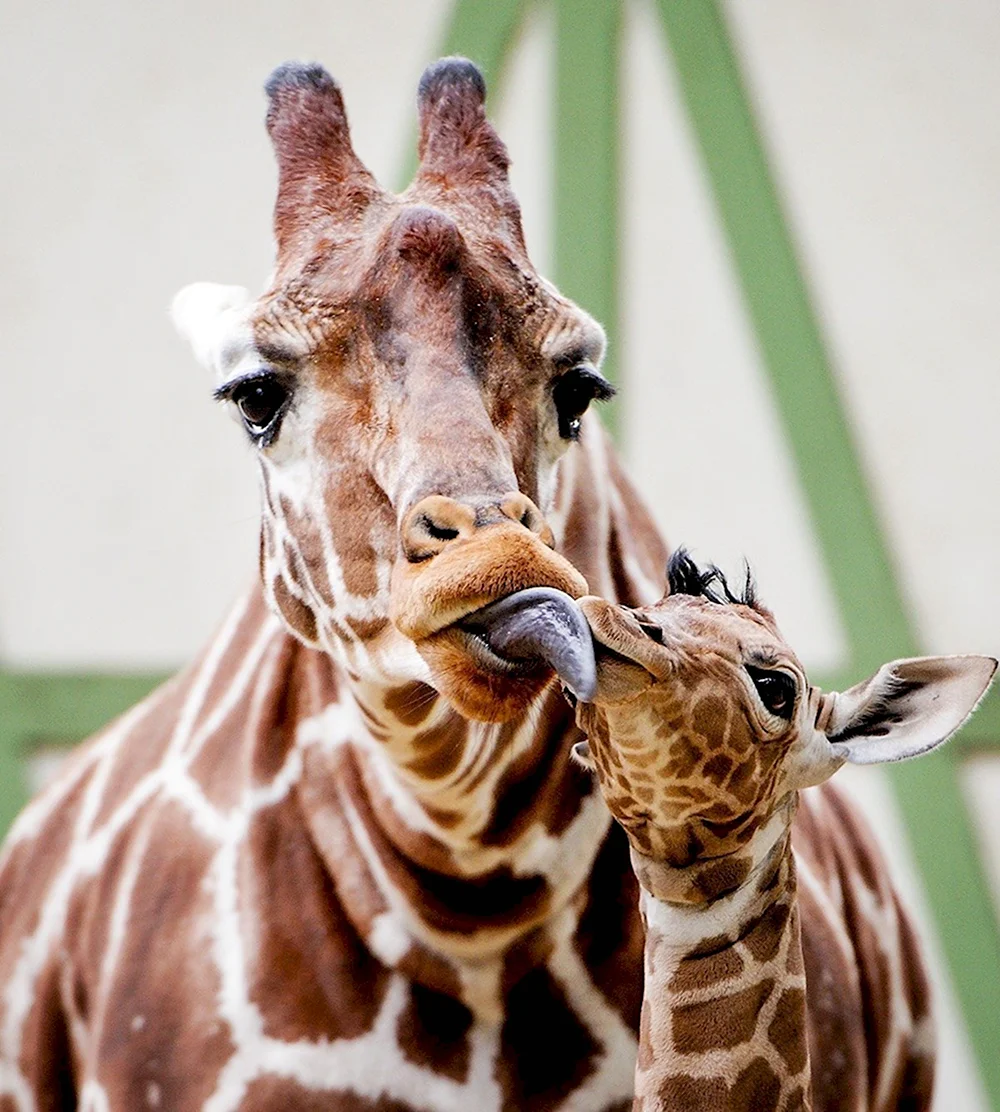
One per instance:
(539, 626)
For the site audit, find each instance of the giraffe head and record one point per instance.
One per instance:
(703, 726)
(408, 384)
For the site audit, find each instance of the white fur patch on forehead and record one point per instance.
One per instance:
(215, 320)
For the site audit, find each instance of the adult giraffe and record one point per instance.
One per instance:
(297, 876)
(343, 861)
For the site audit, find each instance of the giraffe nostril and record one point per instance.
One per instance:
(437, 520)
(520, 508)
(432, 524)
(438, 532)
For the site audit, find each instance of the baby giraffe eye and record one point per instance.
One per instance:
(776, 690)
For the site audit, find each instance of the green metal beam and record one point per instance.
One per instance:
(778, 303)
(45, 708)
(586, 170)
(485, 33)
(856, 554)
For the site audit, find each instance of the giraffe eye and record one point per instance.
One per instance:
(776, 690)
(262, 400)
(573, 392)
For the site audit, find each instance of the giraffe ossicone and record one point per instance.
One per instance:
(702, 732)
(344, 860)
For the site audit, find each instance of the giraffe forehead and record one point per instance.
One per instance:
(430, 272)
(725, 628)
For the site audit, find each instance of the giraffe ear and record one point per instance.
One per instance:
(907, 708)
(212, 318)
(580, 752)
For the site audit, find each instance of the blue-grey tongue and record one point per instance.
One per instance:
(541, 624)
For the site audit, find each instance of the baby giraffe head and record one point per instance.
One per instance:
(703, 727)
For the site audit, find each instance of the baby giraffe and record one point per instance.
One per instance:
(773, 980)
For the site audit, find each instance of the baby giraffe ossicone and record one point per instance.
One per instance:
(777, 977)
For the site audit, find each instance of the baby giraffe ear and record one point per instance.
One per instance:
(907, 708)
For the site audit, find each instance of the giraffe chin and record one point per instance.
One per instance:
(476, 681)
(516, 644)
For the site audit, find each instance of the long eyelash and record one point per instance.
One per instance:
(224, 392)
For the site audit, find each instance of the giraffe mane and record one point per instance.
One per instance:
(685, 577)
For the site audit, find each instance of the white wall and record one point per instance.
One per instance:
(135, 160)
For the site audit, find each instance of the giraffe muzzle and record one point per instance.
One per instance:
(540, 625)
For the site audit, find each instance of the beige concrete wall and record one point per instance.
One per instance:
(135, 160)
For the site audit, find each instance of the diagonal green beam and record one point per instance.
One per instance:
(787, 332)
(586, 170)
(485, 33)
(844, 517)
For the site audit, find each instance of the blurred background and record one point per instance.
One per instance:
(788, 216)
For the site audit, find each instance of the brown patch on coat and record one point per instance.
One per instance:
(787, 1031)
(720, 1023)
(722, 876)
(701, 972)
(422, 848)
(139, 753)
(440, 748)
(534, 788)
(538, 1019)
(796, 1101)
(248, 630)
(166, 976)
(299, 617)
(29, 870)
(47, 1059)
(432, 1032)
(229, 761)
(610, 934)
(282, 707)
(763, 940)
(838, 1063)
(529, 952)
(310, 974)
(445, 901)
(266, 1094)
(695, 1094)
(410, 703)
(758, 1086)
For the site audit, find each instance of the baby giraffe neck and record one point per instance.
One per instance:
(724, 1009)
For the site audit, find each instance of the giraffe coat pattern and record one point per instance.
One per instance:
(780, 970)
(344, 860)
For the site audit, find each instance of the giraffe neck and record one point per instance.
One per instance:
(724, 1005)
(462, 850)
